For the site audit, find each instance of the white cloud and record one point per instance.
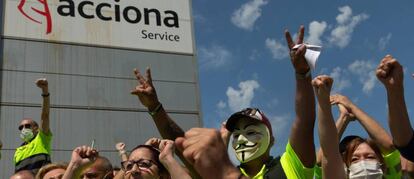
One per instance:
(316, 29)
(247, 14)
(279, 51)
(215, 56)
(383, 41)
(365, 70)
(242, 97)
(221, 104)
(346, 23)
(340, 82)
(279, 123)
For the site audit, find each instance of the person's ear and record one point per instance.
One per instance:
(35, 128)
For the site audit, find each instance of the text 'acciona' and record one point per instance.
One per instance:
(130, 14)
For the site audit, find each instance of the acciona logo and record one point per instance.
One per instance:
(82, 8)
(45, 13)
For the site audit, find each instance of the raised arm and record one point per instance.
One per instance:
(168, 129)
(301, 136)
(376, 132)
(122, 152)
(332, 164)
(341, 123)
(44, 122)
(82, 157)
(391, 74)
(170, 163)
(147, 95)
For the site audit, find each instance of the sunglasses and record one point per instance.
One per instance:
(27, 126)
(141, 163)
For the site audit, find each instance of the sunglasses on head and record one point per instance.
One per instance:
(141, 163)
(27, 126)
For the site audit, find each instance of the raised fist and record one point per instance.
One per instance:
(84, 156)
(323, 86)
(120, 146)
(167, 150)
(154, 142)
(205, 150)
(42, 83)
(390, 72)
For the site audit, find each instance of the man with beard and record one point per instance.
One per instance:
(35, 149)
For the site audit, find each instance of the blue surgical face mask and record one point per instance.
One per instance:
(26, 134)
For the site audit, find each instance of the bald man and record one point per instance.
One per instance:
(34, 152)
(100, 169)
(24, 174)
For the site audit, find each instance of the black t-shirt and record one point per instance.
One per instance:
(408, 150)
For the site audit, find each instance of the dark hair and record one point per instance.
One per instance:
(155, 155)
(353, 144)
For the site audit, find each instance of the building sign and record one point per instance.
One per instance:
(158, 25)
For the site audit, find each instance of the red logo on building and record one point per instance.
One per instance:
(44, 13)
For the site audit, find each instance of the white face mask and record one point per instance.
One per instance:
(250, 141)
(26, 134)
(365, 169)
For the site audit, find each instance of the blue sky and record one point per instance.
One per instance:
(243, 59)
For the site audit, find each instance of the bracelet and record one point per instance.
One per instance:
(302, 76)
(46, 95)
(156, 110)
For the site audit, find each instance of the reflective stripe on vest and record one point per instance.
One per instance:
(34, 162)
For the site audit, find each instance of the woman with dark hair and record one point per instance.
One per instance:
(154, 160)
(143, 162)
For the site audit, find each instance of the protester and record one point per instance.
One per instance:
(332, 165)
(250, 127)
(205, 150)
(52, 171)
(143, 162)
(82, 157)
(23, 174)
(299, 157)
(355, 149)
(35, 150)
(391, 75)
(168, 129)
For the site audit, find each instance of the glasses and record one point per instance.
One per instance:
(27, 126)
(141, 163)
